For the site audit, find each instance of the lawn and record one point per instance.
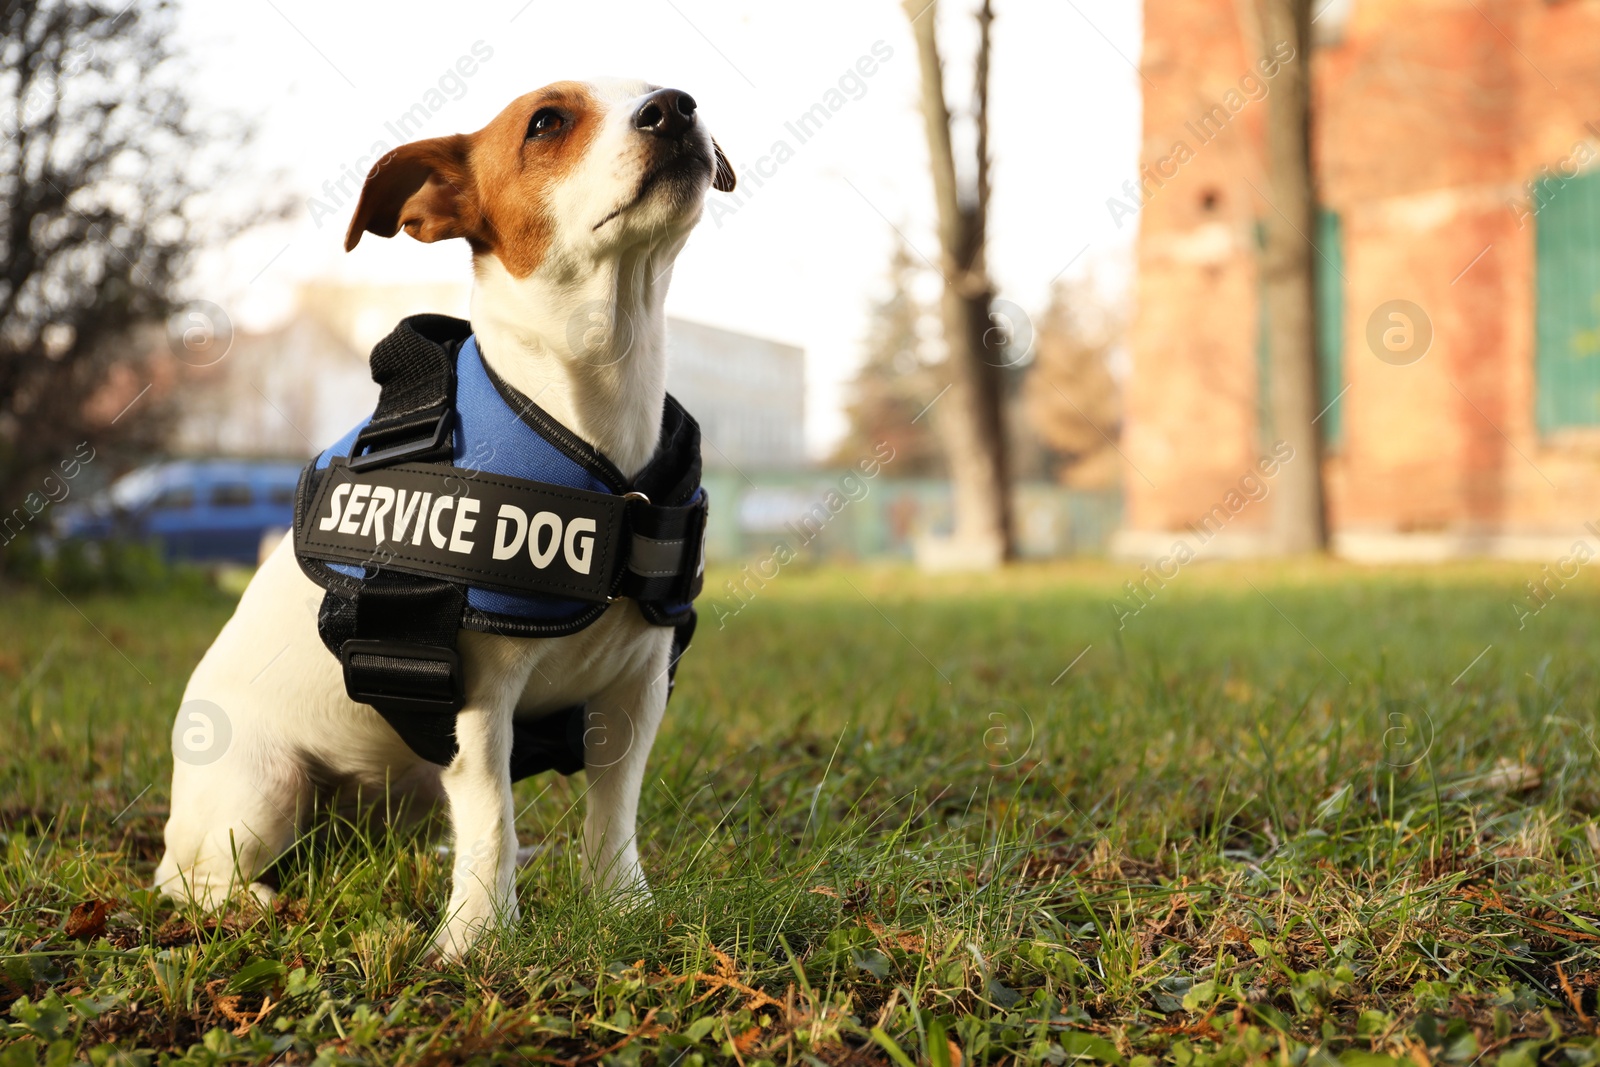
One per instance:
(1284, 813)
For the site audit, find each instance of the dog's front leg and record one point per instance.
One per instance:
(619, 728)
(478, 786)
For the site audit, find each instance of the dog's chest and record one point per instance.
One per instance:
(574, 669)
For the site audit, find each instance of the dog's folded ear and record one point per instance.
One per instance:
(723, 180)
(424, 188)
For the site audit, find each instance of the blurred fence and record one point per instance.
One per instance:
(839, 514)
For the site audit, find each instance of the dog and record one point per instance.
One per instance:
(575, 200)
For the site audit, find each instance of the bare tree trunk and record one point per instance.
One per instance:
(973, 415)
(1288, 263)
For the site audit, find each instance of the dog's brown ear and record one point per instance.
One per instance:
(723, 180)
(424, 188)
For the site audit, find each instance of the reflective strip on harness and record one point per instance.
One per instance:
(472, 527)
(652, 557)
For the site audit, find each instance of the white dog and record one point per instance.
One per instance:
(575, 200)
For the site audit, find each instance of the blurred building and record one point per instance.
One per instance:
(748, 394)
(294, 390)
(1457, 147)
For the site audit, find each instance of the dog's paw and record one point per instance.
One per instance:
(453, 943)
(440, 957)
(463, 932)
(202, 894)
(627, 896)
(635, 898)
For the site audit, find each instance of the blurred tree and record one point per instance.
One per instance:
(101, 162)
(972, 418)
(1298, 519)
(1070, 399)
(894, 385)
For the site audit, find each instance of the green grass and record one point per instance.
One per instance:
(1343, 813)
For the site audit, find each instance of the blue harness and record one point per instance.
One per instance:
(461, 504)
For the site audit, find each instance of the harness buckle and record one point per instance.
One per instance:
(633, 495)
(694, 576)
(419, 436)
(403, 675)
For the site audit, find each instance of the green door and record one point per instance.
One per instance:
(1567, 242)
(1329, 285)
(1328, 282)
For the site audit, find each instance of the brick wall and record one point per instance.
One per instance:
(1430, 116)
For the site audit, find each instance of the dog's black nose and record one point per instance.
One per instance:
(666, 112)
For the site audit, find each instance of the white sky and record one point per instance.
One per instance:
(803, 256)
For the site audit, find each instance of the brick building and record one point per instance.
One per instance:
(1457, 153)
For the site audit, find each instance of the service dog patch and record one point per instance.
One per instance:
(468, 526)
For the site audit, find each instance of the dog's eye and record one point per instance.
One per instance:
(546, 121)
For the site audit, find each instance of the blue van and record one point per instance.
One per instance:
(212, 511)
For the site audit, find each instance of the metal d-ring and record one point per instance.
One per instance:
(641, 498)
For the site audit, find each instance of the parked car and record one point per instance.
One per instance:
(201, 510)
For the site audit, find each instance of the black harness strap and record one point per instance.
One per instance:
(664, 561)
(507, 533)
(416, 373)
(395, 633)
(401, 658)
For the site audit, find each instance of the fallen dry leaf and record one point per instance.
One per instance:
(907, 941)
(87, 921)
(746, 1041)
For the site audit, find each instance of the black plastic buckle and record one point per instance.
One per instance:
(402, 675)
(422, 436)
(693, 575)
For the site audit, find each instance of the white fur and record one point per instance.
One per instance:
(294, 729)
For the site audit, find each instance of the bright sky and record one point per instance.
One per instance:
(801, 258)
